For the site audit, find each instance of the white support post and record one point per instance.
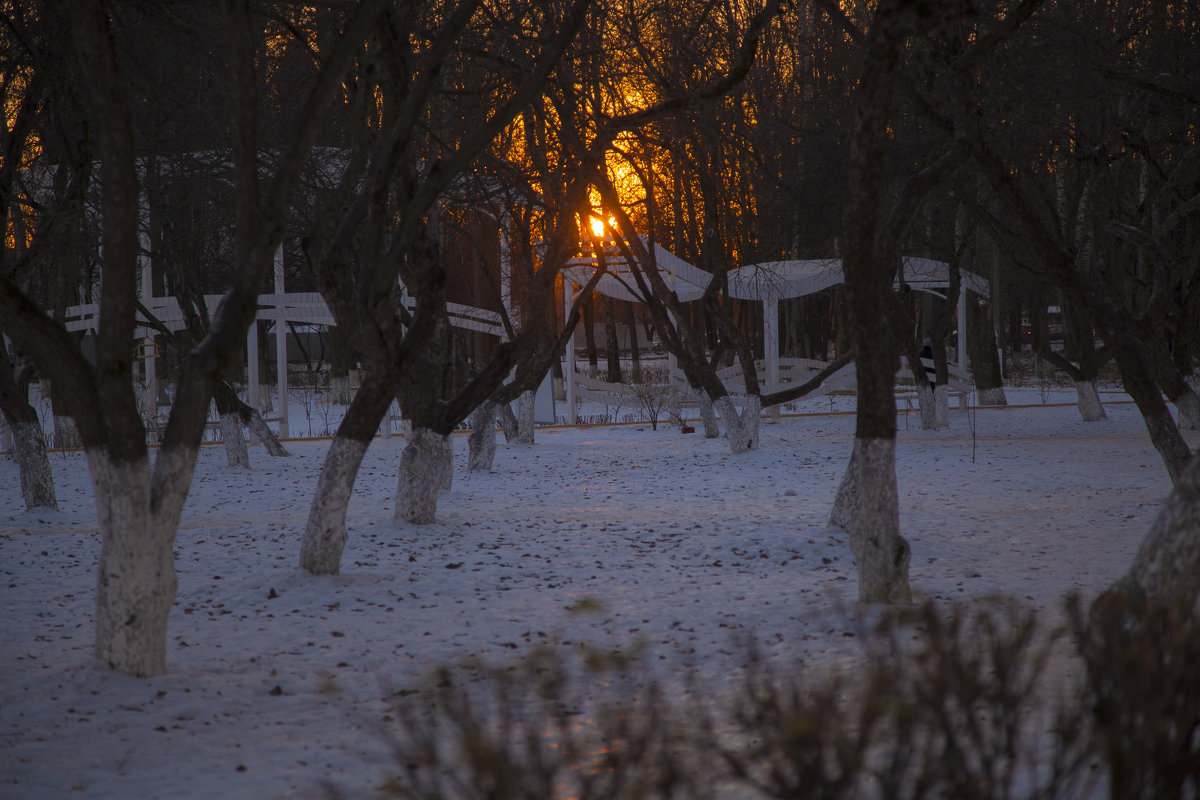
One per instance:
(569, 360)
(281, 345)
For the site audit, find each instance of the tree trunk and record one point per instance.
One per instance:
(1176, 389)
(1187, 405)
(325, 532)
(589, 335)
(634, 351)
(740, 429)
(867, 502)
(508, 422)
(29, 442)
(941, 406)
(1090, 407)
(1164, 434)
(612, 347)
(925, 408)
(981, 349)
(707, 416)
(37, 478)
(227, 400)
(525, 422)
(422, 475)
(262, 433)
(867, 509)
(1167, 565)
(236, 453)
(481, 443)
(136, 583)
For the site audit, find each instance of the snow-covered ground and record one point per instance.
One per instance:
(277, 678)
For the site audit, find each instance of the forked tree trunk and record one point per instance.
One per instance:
(1088, 399)
(136, 583)
(481, 444)
(867, 509)
(325, 531)
(423, 465)
(740, 429)
(525, 414)
(37, 479)
(708, 416)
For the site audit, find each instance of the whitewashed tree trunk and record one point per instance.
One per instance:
(1090, 407)
(422, 474)
(447, 466)
(926, 407)
(1167, 565)
(325, 532)
(1187, 406)
(993, 397)
(867, 509)
(136, 583)
(262, 433)
(740, 429)
(236, 453)
(481, 444)
(508, 422)
(37, 479)
(708, 416)
(525, 409)
(941, 406)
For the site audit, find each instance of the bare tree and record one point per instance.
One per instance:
(407, 355)
(140, 503)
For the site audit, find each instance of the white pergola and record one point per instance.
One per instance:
(279, 308)
(767, 283)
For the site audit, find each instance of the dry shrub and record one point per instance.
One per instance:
(545, 727)
(956, 702)
(947, 703)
